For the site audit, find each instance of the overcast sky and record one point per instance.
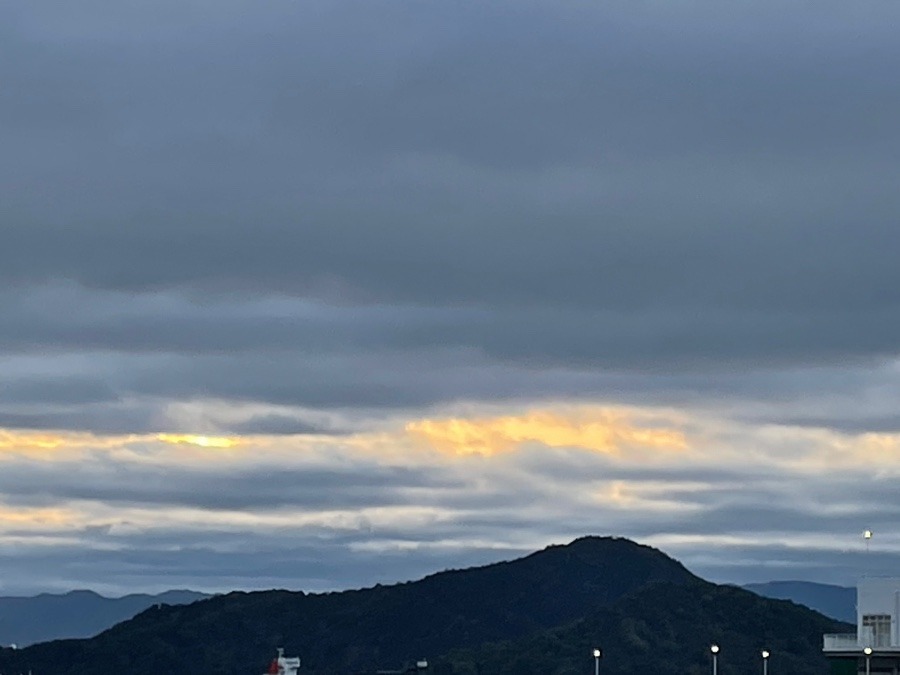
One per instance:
(317, 294)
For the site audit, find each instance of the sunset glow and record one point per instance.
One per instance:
(599, 430)
(200, 441)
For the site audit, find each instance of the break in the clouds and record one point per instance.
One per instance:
(316, 294)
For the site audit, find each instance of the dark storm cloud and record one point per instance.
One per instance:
(559, 185)
(69, 345)
(62, 318)
(533, 155)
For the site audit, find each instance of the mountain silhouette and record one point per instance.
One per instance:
(593, 579)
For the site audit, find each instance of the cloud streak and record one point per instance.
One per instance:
(686, 486)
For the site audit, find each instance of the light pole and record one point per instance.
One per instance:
(765, 655)
(715, 652)
(598, 654)
(868, 652)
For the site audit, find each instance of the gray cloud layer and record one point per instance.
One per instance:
(334, 208)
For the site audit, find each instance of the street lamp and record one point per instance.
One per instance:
(598, 654)
(715, 652)
(765, 655)
(868, 652)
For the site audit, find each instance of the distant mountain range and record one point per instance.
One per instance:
(541, 614)
(77, 614)
(838, 602)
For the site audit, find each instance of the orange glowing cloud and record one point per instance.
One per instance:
(34, 441)
(47, 445)
(40, 517)
(65, 445)
(600, 430)
(200, 441)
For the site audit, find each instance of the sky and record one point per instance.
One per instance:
(321, 294)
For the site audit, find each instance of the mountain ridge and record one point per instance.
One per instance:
(383, 626)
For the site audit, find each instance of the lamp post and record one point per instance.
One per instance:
(715, 654)
(598, 654)
(868, 652)
(765, 655)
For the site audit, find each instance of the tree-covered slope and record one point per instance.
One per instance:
(666, 629)
(358, 630)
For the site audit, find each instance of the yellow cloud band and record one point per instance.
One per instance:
(599, 430)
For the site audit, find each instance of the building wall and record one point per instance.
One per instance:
(878, 596)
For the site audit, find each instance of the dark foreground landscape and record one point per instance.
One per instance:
(539, 615)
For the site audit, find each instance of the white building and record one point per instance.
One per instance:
(876, 642)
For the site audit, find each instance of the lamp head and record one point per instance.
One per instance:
(867, 651)
(714, 649)
(598, 653)
(765, 654)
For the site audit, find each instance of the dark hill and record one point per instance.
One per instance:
(358, 630)
(666, 629)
